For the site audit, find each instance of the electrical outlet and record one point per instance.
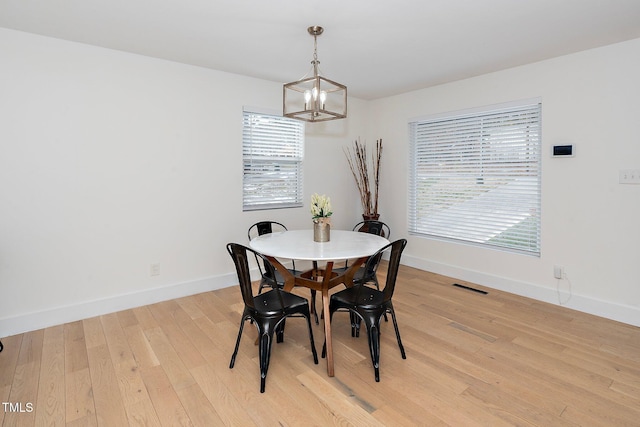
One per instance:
(629, 176)
(154, 269)
(558, 271)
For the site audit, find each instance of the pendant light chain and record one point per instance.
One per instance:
(315, 49)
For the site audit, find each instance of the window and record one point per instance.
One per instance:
(475, 177)
(272, 154)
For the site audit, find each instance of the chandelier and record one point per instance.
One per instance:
(314, 98)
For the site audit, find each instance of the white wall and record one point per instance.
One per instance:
(590, 222)
(111, 161)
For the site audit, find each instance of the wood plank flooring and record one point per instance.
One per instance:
(472, 360)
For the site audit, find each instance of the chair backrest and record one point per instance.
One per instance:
(264, 227)
(260, 228)
(394, 264)
(373, 227)
(240, 254)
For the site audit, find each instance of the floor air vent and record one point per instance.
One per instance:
(469, 288)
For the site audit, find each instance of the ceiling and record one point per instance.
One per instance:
(376, 48)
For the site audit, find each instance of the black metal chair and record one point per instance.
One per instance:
(275, 279)
(364, 274)
(268, 280)
(268, 310)
(366, 304)
(368, 273)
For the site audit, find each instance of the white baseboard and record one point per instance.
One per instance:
(59, 315)
(618, 312)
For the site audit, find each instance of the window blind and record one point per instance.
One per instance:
(272, 153)
(475, 177)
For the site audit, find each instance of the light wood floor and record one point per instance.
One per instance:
(472, 360)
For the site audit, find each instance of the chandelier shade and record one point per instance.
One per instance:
(314, 98)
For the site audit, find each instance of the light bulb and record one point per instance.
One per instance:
(323, 98)
(307, 98)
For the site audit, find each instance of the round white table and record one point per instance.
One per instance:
(299, 245)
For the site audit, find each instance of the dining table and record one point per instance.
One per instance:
(300, 245)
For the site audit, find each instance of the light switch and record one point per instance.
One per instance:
(629, 176)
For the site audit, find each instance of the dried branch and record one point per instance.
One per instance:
(376, 172)
(359, 166)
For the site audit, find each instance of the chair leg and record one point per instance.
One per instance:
(395, 326)
(356, 326)
(353, 324)
(280, 331)
(265, 354)
(373, 333)
(313, 345)
(312, 307)
(235, 351)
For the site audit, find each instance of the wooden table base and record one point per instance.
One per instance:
(330, 279)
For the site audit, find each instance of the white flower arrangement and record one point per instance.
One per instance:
(320, 207)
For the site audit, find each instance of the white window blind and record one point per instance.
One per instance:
(272, 153)
(475, 178)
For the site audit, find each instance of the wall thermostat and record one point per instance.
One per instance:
(562, 151)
